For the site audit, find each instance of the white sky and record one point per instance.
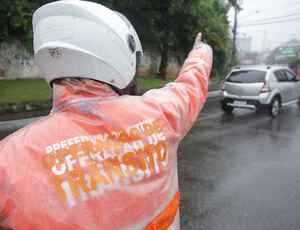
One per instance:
(272, 35)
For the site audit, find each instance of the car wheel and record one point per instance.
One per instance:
(226, 108)
(274, 107)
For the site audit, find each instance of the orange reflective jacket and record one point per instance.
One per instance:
(102, 161)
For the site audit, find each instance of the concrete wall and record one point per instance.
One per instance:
(16, 62)
(151, 61)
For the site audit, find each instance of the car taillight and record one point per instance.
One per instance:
(265, 88)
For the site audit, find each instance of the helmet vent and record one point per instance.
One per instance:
(131, 43)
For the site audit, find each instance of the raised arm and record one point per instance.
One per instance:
(181, 101)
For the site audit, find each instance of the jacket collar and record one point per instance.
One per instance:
(69, 91)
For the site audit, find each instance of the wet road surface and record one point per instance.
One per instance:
(239, 172)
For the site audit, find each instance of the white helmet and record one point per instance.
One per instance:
(74, 38)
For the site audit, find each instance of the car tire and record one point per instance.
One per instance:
(274, 107)
(226, 108)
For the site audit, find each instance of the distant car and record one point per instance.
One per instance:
(257, 87)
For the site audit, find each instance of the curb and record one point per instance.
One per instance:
(16, 124)
(25, 107)
(213, 94)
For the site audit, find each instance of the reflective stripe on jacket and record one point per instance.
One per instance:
(100, 160)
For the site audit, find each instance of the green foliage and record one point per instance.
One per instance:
(16, 20)
(171, 25)
(168, 25)
(235, 3)
(295, 65)
(215, 27)
(146, 83)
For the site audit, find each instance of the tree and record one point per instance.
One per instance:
(167, 26)
(16, 20)
(237, 8)
(171, 25)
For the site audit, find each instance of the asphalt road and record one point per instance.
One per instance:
(239, 172)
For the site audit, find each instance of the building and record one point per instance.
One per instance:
(244, 44)
(285, 53)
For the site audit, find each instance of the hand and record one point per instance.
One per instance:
(205, 47)
(198, 41)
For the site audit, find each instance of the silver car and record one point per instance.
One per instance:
(257, 87)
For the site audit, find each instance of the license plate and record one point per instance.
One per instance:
(240, 103)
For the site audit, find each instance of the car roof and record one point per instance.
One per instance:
(260, 68)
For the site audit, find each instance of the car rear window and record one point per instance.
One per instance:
(247, 76)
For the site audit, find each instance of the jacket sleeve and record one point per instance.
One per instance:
(6, 204)
(181, 101)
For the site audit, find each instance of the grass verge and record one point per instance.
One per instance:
(146, 83)
(24, 90)
(37, 90)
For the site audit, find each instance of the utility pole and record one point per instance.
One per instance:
(233, 56)
(265, 41)
(237, 9)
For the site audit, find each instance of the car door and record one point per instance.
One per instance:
(284, 86)
(292, 78)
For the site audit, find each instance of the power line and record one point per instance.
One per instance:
(274, 22)
(294, 3)
(293, 8)
(290, 6)
(251, 13)
(272, 18)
